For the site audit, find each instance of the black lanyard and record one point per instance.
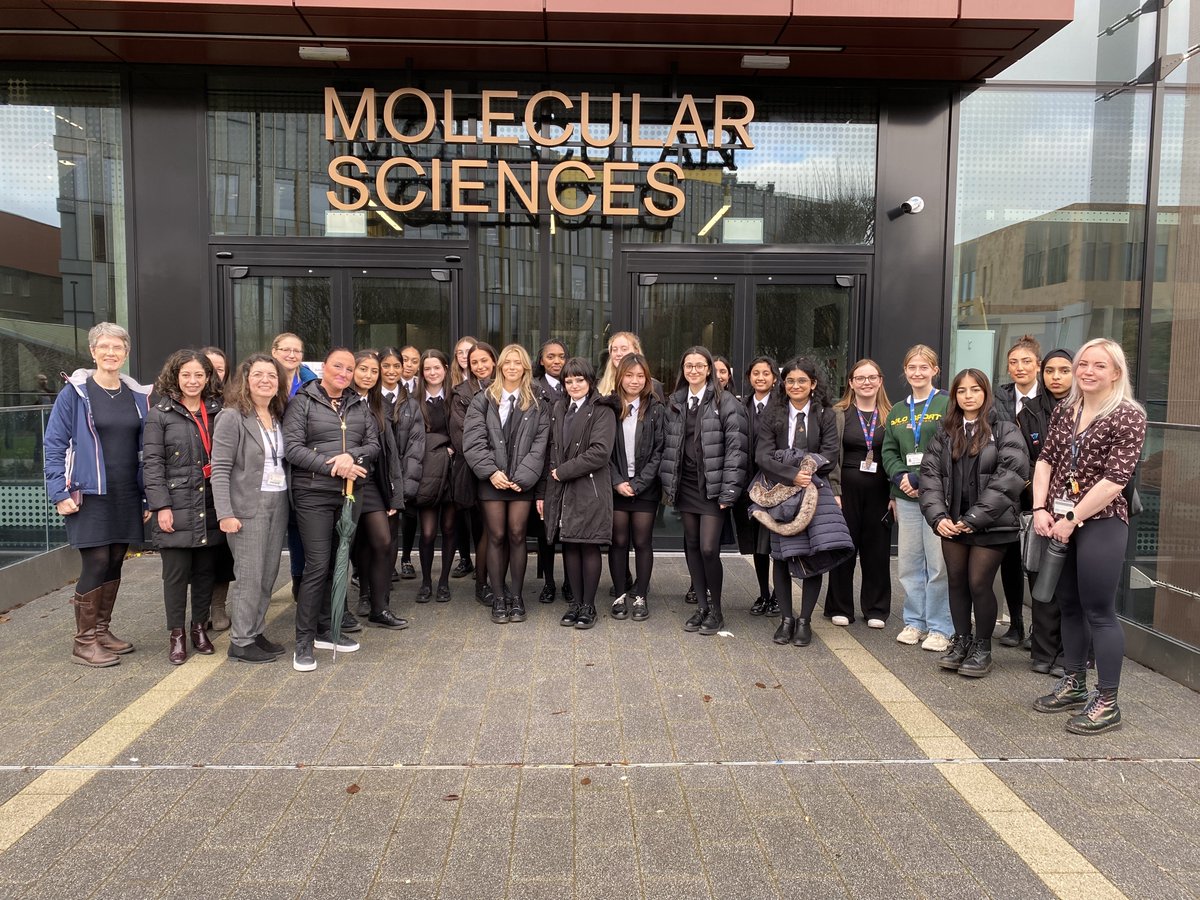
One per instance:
(269, 439)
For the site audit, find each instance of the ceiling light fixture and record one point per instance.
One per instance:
(765, 61)
(325, 54)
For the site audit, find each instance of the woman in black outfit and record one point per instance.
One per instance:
(547, 387)
(1045, 635)
(330, 438)
(637, 489)
(223, 574)
(577, 500)
(971, 482)
(435, 505)
(800, 419)
(861, 418)
(380, 498)
(93, 453)
(178, 464)
(481, 361)
(504, 442)
(753, 539)
(704, 468)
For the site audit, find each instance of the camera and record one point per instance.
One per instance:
(912, 205)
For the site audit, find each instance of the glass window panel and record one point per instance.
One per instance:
(267, 305)
(1183, 33)
(1049, 223)
(580, 300)
(509, 304)
(394, 311)
(675, 316)
(806, 320)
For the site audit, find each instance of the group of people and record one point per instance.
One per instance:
(483, 448)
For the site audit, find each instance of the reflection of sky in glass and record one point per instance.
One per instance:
(29, 174)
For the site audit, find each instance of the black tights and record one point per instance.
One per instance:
(374, 550)
(462, 531)
(430, 517)
(640, 527)
(762, 571)
(582, 565)
(409, 532)
(702, 547)
(100, 566)
(810, 591)
(505, 523)
(970, 578)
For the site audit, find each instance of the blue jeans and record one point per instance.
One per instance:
(922, 571)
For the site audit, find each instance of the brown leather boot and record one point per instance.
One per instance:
(88, 651)
(200, 639)
(104, 609)
(178, 652)
(218, 616)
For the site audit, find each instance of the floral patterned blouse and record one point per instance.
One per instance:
(1108, 449)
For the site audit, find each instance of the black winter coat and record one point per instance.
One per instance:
(578, 505)
(820, 428)
(649, 440)
(463, 489)
(993, 495)
(173, 460)
(312, 433)
(408, 429)
(723, 434)
(485, 449)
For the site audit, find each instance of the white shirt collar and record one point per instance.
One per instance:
(552, 381)
(793, 412)
(1026, 397)
(505, 395)
(439, 395)
(634, 404)
(699, 396)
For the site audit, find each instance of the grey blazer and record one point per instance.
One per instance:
(238, 456)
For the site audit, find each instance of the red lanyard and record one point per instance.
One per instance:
(205, 439)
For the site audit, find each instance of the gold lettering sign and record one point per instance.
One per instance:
(585, 176)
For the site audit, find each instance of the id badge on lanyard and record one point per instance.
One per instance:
(868, 464)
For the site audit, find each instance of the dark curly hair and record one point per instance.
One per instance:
(167, 383)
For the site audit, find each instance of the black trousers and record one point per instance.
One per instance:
(183, 568)
(864, 504)
(1046, 633)
(316, 515)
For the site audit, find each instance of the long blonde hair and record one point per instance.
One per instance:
(608, 381)
(882, 403)
(1122, 391)
(496, 390)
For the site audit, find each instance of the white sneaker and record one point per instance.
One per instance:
(910, 635)
(841, 620)
(875, 623)
(936, 642)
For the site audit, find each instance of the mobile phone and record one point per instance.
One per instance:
(887, 517)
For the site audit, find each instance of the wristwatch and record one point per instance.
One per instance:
(1070, 516)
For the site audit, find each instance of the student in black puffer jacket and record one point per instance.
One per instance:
(177, 447)
(705, 466)
(329, 437)
(972, 477)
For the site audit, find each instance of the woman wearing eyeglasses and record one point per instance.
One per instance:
(704, 468)
(753, 540)
(861, 416)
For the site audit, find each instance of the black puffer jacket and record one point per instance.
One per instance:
(992, 493)
(408, 429)
(649, 441)
(578, 505)
(723, 434)
(486, 452)
(312, 433)
(173, 461)
(463, 487)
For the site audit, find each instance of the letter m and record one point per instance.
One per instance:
(334, 108)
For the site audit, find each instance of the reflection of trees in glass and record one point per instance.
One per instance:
(268, 305)
(677, 316)
(837, 206)
(805, 320)
(399, 311)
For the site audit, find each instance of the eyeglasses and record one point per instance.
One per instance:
(110, 348)
(796, 382)
(695, 367)
(865, 379)
(263, 376)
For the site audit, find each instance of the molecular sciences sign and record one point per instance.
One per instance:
(549, 152)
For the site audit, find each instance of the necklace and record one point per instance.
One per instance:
(113, 395)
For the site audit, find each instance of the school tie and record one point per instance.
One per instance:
(571, 410)
(693, 403)
(799, 439)
(760, 406)
(510, 420)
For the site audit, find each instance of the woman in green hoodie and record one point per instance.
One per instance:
(911, 425)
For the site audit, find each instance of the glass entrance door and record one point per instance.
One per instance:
(336, 306)
(804, 316)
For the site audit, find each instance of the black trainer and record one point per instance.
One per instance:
(464, 568)
(619, 609)
(406, 570)
(499, 610)
(516, 608)
(639, 611)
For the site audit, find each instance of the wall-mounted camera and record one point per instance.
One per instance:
(912, 205)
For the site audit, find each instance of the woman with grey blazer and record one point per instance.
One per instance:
(250, 490)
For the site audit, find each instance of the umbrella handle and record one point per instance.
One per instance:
(350, 488)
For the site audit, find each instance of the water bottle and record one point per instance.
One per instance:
(1052, 565)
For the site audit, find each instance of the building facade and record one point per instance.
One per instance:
(524, 170)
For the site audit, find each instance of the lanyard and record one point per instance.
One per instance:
(269, 440)
(914, 421)
(205, 439)
(868, 433)
(1075, 450)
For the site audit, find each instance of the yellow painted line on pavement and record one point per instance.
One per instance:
(1049, 856)
(26, 809)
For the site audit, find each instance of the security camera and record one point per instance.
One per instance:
(912, 205)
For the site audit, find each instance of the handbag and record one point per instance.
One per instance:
(1033, 545)
(1132, 499)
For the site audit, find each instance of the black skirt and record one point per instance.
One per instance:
(634, 504)
(689, 498)
(488, 491)
(369, 498)
(112, 518)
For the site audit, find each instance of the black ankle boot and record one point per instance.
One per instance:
(1100, 714)
(695, 619)
(979, 661)
(802, 636)
(713, 620)
(960, 646)
(783, 634)
(1014, 636)
(1070, 693)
